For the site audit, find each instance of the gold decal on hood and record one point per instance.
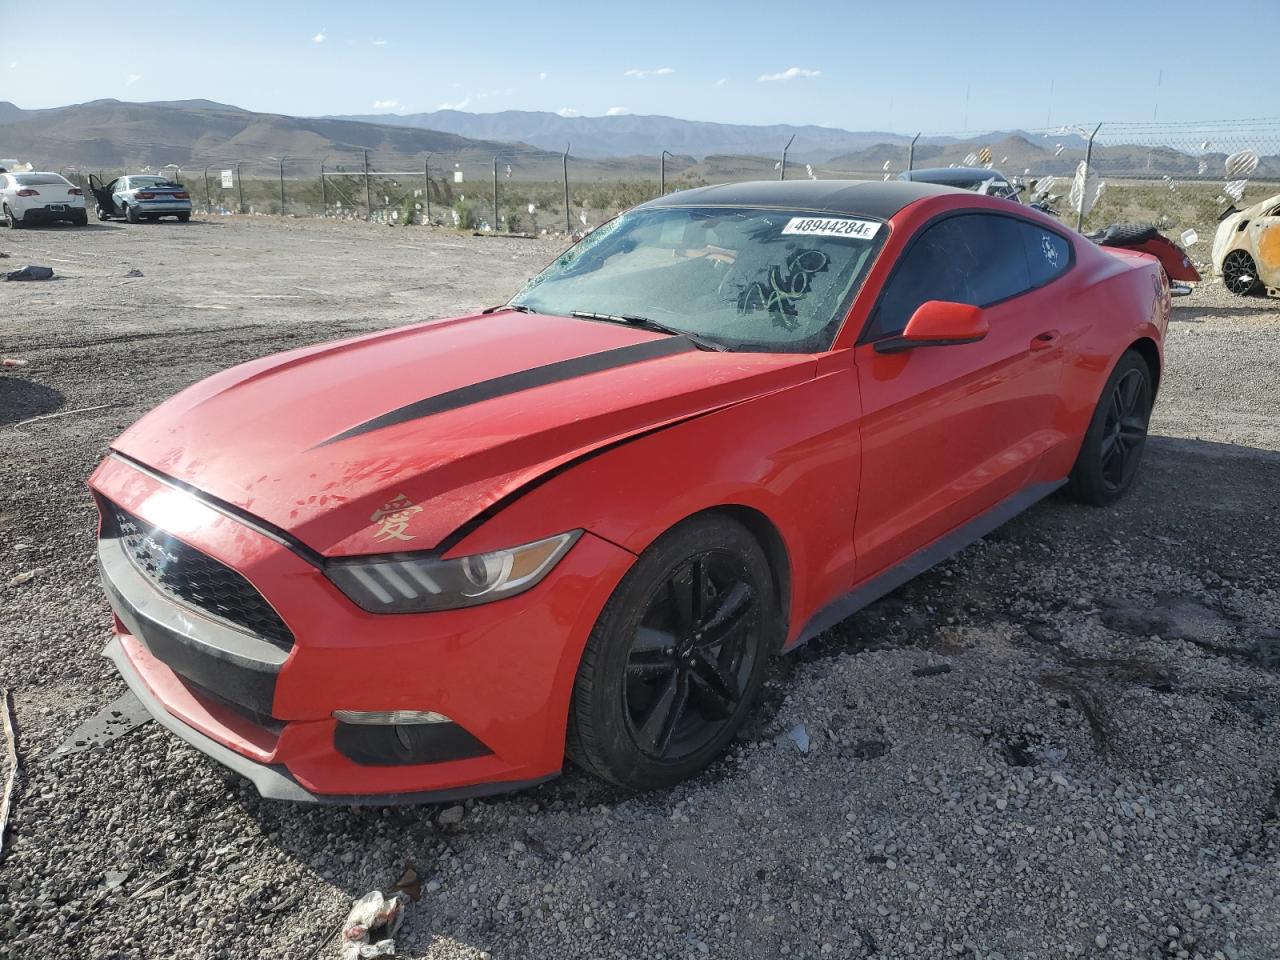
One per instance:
(393, 517)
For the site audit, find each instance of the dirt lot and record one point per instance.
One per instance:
(1061, 743)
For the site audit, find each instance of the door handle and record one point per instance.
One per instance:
(1043, 341)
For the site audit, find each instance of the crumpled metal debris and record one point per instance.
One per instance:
(117, 718)
(30, 272)
(799, 736)
(373, 915)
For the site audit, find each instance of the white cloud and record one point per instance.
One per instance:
(721, 82)
(378, 43)
(542, 75)
(568, 112)
(386, 104)
(319, 37)
(791, 73)
(13, 65)
(131, 79)
(617, 111)
(642, 74)
(460, 105)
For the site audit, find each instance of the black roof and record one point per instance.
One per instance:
(867, 198)
(951, 174)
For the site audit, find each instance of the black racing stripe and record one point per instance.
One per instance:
(522, 380)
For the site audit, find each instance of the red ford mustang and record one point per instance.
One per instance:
(430, 562)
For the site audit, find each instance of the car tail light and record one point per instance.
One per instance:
(144, 195)
(76, 192)
(28, 193)
(182, 195)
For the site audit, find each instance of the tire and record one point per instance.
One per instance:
(653, 702)
(1240, 273)
(12, 222)
(131, 213)
(1112, 449)
(80, 220)
(103, 214)
(184, 218)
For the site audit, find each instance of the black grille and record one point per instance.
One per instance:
(195, 579)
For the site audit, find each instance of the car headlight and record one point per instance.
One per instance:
(409, 584)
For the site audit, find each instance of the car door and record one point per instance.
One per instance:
(949, 432)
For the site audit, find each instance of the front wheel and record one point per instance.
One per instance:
(1112, 450)
(677, 657)
(102, 213)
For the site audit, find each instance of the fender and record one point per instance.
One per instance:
(805, 484)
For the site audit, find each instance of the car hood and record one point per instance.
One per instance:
(448, 416)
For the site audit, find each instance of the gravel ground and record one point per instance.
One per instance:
(1062, 743)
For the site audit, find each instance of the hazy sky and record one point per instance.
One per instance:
(939, 66)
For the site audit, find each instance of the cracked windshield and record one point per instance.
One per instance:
(746, 279)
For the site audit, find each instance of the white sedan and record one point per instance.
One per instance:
(27, 198)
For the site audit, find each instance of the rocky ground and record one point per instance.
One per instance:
(1062, 743)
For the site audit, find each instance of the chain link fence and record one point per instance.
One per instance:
(1181, 176)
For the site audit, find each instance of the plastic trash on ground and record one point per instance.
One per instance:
(30, 273)
(373, 915)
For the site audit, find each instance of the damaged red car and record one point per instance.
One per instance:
(435, 561)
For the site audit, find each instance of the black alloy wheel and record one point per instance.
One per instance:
(1125, 430)
(1240, 273)
(691, 656)
(676, 657)
(1117, 436)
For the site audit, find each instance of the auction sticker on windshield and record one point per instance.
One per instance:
(832, 227)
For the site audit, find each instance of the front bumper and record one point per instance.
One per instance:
(503, 672)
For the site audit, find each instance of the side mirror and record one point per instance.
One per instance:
(938, 323)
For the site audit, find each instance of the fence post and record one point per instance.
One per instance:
(911, 152)
(1088, 157)
(368, 192)
(208, 199)
(662, 172)
(568, 224)
(282, 186)
(782, 168)
(324, 196)
(240, 186)
(495, 194)
(426, 183)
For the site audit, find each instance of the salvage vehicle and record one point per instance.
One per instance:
(1246, 249)
(991, 183)
(429, 562)
(141, 196)
(38, 197)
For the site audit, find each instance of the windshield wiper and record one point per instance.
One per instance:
(517, 307)
(632, 320)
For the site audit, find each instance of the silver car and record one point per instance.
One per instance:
(141, 196)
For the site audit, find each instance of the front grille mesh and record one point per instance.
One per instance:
(193, 578)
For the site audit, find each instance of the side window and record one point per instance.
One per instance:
(973, 258)
(1048, 253)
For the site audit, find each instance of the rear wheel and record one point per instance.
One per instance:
(184, 217)
(12, 222)
(1113, 445)
(1240, 273)
(677, 657)
(80, 219)
(131, 214)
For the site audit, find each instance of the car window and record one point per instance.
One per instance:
(1048, 253)
(120, 185)
(972, 258)
(40, 180)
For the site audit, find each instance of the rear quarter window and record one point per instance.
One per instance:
(1048, 253)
